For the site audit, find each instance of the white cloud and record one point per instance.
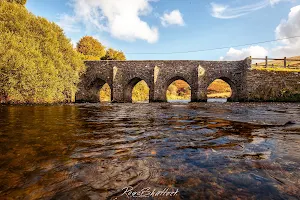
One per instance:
(172, 18)
(285, 48)
(122, 19)
(273, 2)
(226, 12)
(68, 23)
(254, 51)
(289, 28)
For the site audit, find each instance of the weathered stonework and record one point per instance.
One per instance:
(273, 86)
(246, 84)
(123, 75)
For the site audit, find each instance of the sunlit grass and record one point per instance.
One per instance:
(177, 97)
(219, 95)
(276, 69)
(278, 65)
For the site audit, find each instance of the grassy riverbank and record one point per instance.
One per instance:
(277, 65)
(275, 69)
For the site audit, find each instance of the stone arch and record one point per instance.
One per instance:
(92, 90)
(171, 80)
(129, 87)
(230, 83)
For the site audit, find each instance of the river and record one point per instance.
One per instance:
(205, 150)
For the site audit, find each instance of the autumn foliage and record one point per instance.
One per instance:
(91, 49)
(37, 62)
(112, 54)
(22, 2)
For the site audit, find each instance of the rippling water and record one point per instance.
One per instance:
(205, 150)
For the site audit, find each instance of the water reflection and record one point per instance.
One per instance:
(217, 100)
(93, 151)
(179, 101)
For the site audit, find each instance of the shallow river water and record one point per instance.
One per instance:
(108, 151)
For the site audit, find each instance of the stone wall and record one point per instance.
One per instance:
(273, 86)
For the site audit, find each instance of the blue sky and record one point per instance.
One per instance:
(137, 26)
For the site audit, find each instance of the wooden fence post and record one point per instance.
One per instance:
(266, 61)
(284, 62)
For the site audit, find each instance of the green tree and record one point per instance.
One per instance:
(112, 54)
(37, 62)
(22, 2)
(90, 48)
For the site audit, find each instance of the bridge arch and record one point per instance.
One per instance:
(173, 79)
(230, 83)
(92, 91)
(129, 88)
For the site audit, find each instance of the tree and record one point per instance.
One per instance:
(112, 54)
(22, 2)
(90, 47)
(140, 92)
(37, 62)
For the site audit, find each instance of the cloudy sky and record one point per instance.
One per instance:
(164, 26)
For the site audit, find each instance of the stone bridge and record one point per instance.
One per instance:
(122, 76)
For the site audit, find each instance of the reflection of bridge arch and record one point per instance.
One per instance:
(122, 76)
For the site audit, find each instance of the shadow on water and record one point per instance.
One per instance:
(93, 151)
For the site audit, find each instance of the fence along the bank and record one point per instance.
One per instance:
(286, 62)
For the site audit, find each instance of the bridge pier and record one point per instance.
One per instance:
(201, 94)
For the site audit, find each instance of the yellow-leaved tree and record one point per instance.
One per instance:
(22, 2)
(90, 48)
(112, 54)
(37, 62)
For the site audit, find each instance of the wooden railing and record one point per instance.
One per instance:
(266, 59)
